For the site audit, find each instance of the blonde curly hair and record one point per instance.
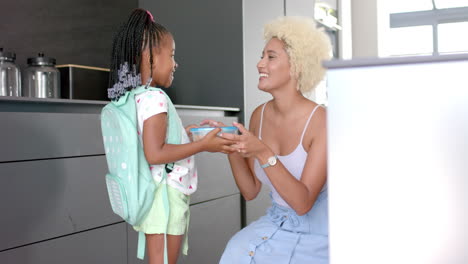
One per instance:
(306, 45)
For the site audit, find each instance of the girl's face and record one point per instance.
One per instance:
(164, 64)
(274, 67)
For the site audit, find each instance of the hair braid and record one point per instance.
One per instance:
(136, 34)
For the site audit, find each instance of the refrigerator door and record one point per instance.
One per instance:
(398, 152)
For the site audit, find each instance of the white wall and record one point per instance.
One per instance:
(345, 39)
(369, 25)
(256, 14)
(364, 28)
(300, 7)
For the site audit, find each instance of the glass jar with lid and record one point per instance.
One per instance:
(10, 75)
(41, 78)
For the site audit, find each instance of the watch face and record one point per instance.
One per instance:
(272, 160)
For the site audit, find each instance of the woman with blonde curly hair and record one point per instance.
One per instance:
(286, 149)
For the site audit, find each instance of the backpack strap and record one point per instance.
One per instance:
(141, 245)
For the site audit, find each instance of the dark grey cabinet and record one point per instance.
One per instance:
(102, 245)
(39, 135)
(45, 199)
(53, 196)
(213, 223)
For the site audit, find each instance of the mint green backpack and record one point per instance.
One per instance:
(130, 185)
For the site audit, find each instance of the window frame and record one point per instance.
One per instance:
(432, 17)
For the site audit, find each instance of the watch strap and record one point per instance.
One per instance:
(267, 164)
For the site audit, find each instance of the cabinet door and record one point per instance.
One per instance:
(102, 245)
(257, 207)
(212, 224)
(28, 135)
(50, 198)
(215, 177)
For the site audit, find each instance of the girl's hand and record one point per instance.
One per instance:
(187, 129)
(247, 144)
(213, 143)
(212, 123)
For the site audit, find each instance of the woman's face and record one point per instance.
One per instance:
(274, 66)
(164, 64)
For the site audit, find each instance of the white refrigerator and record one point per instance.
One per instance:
(398, 160)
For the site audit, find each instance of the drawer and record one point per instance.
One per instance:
(215, 176)
(257, 207)
(50, 198)
(212, 224)
(29, 135)
(102, 245)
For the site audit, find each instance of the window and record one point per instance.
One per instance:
(411, 40)
(450, 3)
(424, 27)
(453, 37)
(401, 6)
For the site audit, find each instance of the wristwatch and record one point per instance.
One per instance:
(270, 162)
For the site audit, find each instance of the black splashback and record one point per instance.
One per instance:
(209, 49)
(71, 31)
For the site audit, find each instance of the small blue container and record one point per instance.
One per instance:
(199, 132)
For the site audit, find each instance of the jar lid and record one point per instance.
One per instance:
(41, 60)
(7, 56)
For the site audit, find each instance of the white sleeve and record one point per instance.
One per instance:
(150, 103)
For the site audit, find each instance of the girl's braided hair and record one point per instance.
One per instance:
(135, 35)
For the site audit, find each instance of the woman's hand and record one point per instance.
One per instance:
(213, 143)
(187, 129)
(247, 144)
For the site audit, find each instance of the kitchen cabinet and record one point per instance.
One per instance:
(45, 199)
(53, 193)
(213, 223)
(39, 135)
(101, 245)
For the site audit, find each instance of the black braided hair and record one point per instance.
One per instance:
(136, 34)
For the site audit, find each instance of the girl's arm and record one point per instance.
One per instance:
(158, 152)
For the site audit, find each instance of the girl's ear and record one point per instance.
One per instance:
(144, 61)
(145, 67)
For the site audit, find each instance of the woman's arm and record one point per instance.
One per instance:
(299, 194)
(158, 152)
(246, 181)
(242, 167)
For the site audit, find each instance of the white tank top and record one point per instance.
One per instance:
(294, 161)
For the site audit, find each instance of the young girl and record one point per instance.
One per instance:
(143, 54)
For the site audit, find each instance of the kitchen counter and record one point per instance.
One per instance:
(29, 104)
